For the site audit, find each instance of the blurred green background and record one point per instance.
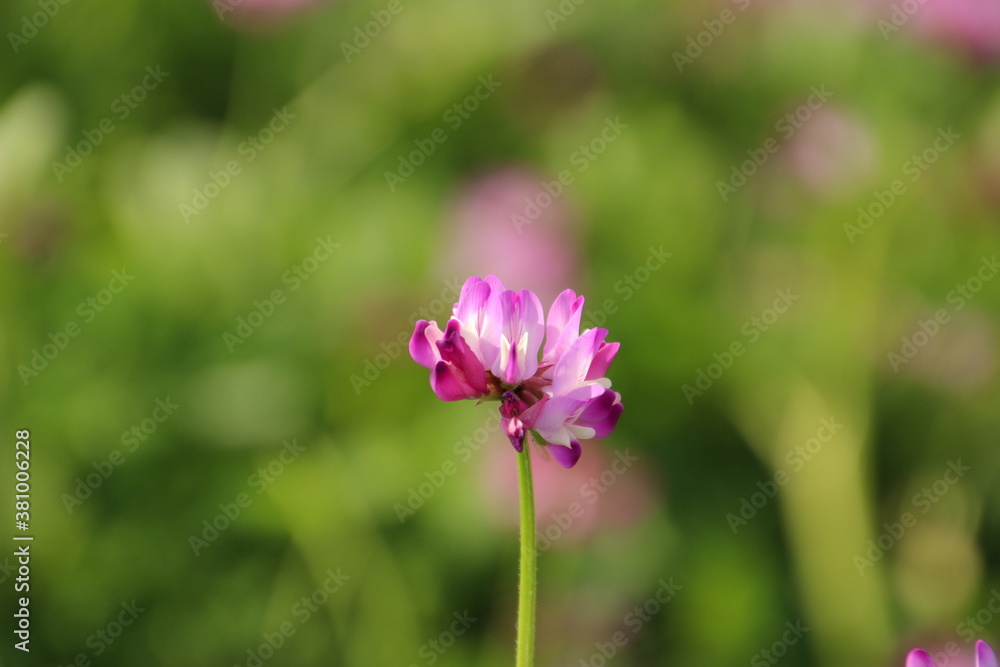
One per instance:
(218, 224)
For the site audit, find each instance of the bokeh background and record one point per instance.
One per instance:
(218, 223)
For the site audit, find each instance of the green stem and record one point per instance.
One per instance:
(529, 564)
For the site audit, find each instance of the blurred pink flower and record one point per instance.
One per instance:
(508, 224)
(958, 355)
(832, 153)
(971, 27)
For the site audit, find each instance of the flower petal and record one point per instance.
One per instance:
(508, 367)
(918, 657)
(453, 349)
(496, 285)
(449, 384)
(533, 324)
(514, 428)
(572, 367)
(491, 324)
(510, 411)
(567, 456)
(553, 414)
(602, 413)
(474, 294)
(563, 325)
(470, 310)
(422, 348)
(602, 361)
(521, 336)
(985, 657)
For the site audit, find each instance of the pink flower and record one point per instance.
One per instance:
(985, 657)
(971, 27)
(489, 350)
(496, 225)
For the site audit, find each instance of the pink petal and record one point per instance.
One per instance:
(532, 322)
(491, 324)
(514, 428)
(448, 383)
(422, 348)
(602, 413)
(551, 416)
(567, 456)
(454, 350)
(985, 657)
(523, 330)
(510, 410)
(918, 657)
(572, 367)
(495, 284)
(563, 324)
(471, 301)
(602, 361)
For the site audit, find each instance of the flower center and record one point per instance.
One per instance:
(529, 391)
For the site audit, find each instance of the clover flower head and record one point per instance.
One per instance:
(489, 350)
